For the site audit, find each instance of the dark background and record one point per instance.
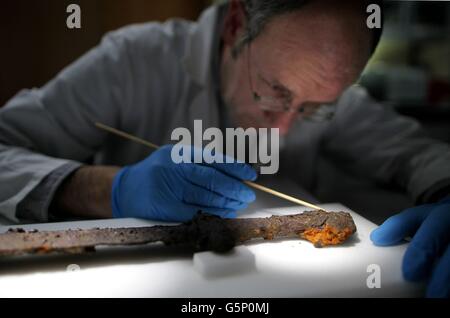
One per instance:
(410, 70)
(36, 44)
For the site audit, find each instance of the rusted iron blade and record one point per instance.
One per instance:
(204, 232)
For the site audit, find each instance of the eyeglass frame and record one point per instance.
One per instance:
(323, 112)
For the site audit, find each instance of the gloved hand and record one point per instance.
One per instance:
(428, 254)
(157, 188)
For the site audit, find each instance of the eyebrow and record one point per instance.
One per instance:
(291, 94)
(277, 83)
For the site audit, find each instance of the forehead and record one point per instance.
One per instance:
(303, 52)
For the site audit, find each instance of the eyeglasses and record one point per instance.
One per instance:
(312, 112)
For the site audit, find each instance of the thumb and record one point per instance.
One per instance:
(398, 227)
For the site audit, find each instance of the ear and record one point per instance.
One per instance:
(234, 24)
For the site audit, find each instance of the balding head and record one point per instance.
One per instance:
(259, 13)
(332, 32)
(310, 51)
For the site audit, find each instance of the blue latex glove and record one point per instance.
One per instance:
(157, 188)
(428, 254)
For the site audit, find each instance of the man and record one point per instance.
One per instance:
(256, 63)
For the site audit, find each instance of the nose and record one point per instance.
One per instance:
(282, 121)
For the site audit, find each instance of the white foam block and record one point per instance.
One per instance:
(238, 261)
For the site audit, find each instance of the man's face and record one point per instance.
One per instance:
(290, 63)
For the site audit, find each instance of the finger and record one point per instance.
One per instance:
(238, 170)
(439, 285)
(225, 164)
(214, 180)
(400, 226)
(428, 244)
(231, 215)
(200, 196)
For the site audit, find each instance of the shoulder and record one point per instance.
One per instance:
(355, 94)
(171, 36)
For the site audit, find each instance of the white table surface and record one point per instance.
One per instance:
(292, 268)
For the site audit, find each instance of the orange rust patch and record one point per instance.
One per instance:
(44, 249)
(326, 236)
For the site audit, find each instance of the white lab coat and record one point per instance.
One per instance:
(152, 78)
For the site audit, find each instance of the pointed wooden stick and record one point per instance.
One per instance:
(126, 135)
(281, 195)
(249, 183)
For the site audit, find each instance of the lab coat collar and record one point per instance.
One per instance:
(197, 61)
